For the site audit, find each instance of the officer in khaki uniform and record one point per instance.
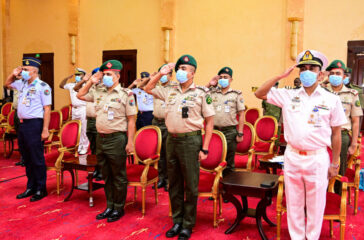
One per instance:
(227, 104)
(351, 104)
(187, 105)
(159, 112)
(349, 84)
(115, 114)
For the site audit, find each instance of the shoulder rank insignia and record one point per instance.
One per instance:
(43, 84)
(353, 91)
(236, 91)
(330, 91)
(128, 91)
(205, 89)
(288, 87)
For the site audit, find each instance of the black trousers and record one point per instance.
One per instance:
(144, 119)
(32, 149)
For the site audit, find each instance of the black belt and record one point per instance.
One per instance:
(91, 118)
(30, 120)
(159, 119)
(225, 128)
(188, 134)
(109, 135)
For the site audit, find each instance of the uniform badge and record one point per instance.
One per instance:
(131, 102)
(186, 59)
(26, 62)
(47, 92)
(241, 100)
(339, 64)
(109, 65)
(357, 103)
(307, 56)
(208, 99)
(226, 70)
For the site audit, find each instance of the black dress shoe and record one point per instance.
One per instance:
(20, 163)
(27, 193)
(161, 183)
(185, 234)
(115, 215)
(104, 214)
(38, 195)
(174, 231)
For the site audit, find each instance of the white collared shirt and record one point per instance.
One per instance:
(308, 119)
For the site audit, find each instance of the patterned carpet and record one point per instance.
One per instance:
(51, 218)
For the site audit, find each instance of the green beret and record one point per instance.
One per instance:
(336, 64)
(186, 59)
(226, 70)
(113, 65)
(348, 70)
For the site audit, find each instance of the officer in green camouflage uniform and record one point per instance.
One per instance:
(351, 104)
(115, 124)
(187, 106)
(228, 103)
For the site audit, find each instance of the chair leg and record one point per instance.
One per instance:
(135, 194)
(342, 230)
(62, 178)
(156, 193)
(58, 180)
(349, 195)
(76, 177)
(279, 214)
(143, 200)
(170, 207)
(331, 228)
(220, 205)
(356, 196)
(215, 208)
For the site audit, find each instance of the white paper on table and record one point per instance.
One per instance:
(278, 159)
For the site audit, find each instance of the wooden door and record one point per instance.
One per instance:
(129, 60)
(46, 70)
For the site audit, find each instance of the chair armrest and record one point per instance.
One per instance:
(151, 160)
(221, 167)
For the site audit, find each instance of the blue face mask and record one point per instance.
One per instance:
(223, 82)
(164, 79)
(346, 81)
(308, 78)
(107, 81)
(78, 78)
(335, 80)
(181, 76)
(25, 75)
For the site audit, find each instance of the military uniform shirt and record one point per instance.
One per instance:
(90, 106)
(32, 98)
(308, 119)
(144, 100)
(15, 99)
(112, 108)
(159, 108)
(227, 106)
(196, 99)
(351, 104)
(74, 100)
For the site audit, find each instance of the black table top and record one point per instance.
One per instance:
(250, 180)
(83, 160)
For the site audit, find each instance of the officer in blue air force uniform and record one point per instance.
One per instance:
(34, 110)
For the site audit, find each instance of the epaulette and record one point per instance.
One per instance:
(173, 83)
(205, 89)
(353, 91)
(43, 84)
(330, 91)
(236, 91)
(128, 91)
(288, 87)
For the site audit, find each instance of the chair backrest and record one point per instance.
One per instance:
(251, 115)
(248, 141)
(11, 117)
(70, 134)
(266, 127)
(5, 110)
(147, 143)
(55, 122)
(66, 113)
(217, 152)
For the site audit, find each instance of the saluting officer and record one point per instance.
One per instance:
(115, 116)
(78, 107)
(159, 112)
(351, 104)
(34, 109)
(312, 118)
(187, 105)
(228, 103)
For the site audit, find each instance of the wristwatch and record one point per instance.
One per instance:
(240, 134)
(205, 151)
(334, 165)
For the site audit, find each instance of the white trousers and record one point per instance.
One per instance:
(79, 113)
(305, 179)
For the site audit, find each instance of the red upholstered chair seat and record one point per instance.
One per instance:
(134, 172)
(350, 174)
(333, 202)
(206, 181)
(261, 146)
(51, 157)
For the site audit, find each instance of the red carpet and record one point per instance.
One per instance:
(51, 218)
